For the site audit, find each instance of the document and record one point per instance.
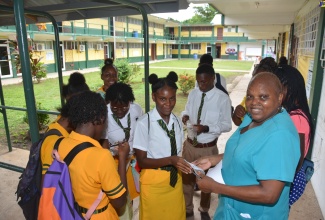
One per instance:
(215, 173)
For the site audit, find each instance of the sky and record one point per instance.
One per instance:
(181, 15)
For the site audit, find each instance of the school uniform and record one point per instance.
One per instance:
(158, 199)
(101, 91)
(114, 134)
(48, 144)
(216, 114)
(93, 170)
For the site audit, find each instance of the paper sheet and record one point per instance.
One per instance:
(215, 173)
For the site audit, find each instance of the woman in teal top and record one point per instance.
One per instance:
(260, 158)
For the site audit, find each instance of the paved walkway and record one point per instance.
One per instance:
(306, 208)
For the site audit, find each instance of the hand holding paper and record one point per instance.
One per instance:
(215, 173)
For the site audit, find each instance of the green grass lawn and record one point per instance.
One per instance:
(47, 92)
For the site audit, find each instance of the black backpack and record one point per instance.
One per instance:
(29, 186)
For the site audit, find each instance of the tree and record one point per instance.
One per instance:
(202, 15)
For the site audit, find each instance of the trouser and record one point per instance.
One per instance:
(191, 154)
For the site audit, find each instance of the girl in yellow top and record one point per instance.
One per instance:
(157, 142)
(94, 169)
(108, 75)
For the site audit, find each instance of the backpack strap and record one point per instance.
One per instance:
(218, 84)
(80, 147)
(52, 132)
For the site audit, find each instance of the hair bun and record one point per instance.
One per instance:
(109, 61)
(153, 78)
(76, 78)
(172, 76)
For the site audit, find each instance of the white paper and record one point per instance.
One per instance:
(196, 170)
(215, 173)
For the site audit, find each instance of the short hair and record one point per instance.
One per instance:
(272, 78)
(86, 107)
(206, 59)
(264, 67)
(205, 68)
(157, 83)
(119, 92)
(76, 84)
(108, 63)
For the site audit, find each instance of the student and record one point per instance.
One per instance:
(94, 169)
(123, 114)
(109, 76)
(76, 84)
(62, 125)
(208, 111)
(157, 143)
(208, 59)
(296, 103)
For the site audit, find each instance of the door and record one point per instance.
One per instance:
(209, 50)
(106, 51)
(153, 51)
(62, 57)
(5, 63)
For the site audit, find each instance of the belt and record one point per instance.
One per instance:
(167, 168)
(84, 210)
(205, 145)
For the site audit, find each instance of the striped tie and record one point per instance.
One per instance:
(126, 130)
(171, 135)
(199, 116)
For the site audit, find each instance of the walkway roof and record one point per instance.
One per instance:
(64, 10)
(258, 19)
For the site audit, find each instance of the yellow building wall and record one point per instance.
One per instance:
(98, 21)
(42, 55)
(121, 53)
(95, 54)
(223, 49)
(74, 56)
(160, 49)
(303, 65)
(176, 30)
(159, 31)
(135, 27)
(135, 52)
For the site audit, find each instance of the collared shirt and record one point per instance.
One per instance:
(101, 91)
(114, 133)
(155, 140)
(48, 144)
(92, 170)
(216, 113)
(222, 82)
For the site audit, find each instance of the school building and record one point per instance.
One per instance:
(86, 43)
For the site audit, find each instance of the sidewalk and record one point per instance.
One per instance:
(306, 208)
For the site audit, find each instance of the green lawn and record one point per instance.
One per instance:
(47, 92)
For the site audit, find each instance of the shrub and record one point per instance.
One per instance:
(186, 82)
(42, 118)
(126, 71)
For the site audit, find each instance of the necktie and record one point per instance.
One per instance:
(199, 116)
(171, 135)
(127, 129)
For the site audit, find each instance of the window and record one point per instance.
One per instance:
(135, 45)
(196, 46)
(121, 45)
(121, 19)
(185, 46)
(174, 46)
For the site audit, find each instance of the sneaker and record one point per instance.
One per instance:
(205, 216)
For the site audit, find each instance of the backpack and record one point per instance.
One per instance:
(29, 185)
(220, 87)
(57, 200)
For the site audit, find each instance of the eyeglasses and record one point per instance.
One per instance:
(115, 109)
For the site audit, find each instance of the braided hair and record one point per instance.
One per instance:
(296, 98)
(119, 92)
(76, 84)
(157, 83)
(86, 107)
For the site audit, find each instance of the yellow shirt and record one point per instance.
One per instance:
(93, 170)
(48, 144)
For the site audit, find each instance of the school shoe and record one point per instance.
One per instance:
(205, 216)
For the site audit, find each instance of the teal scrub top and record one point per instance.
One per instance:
(270, 151)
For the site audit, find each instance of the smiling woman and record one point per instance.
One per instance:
(260, 158)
